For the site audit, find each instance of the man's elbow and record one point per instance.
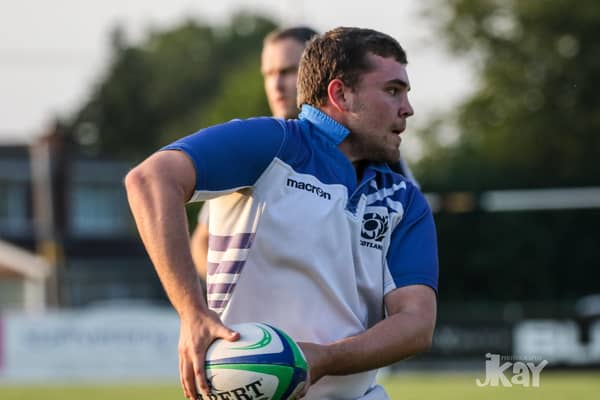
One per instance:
(163, 172)
(425, 342)
(133, 179)
(151, 172)
(136, 182)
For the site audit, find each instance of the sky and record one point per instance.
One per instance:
(52, 52)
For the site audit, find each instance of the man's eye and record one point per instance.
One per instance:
(393, 91)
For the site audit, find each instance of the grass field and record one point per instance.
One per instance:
(553, 386)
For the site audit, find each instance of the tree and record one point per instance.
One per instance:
(171, 84)
(533, 119)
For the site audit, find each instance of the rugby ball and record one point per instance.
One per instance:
(265, 363)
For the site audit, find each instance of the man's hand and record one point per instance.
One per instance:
(197, 332)
(316, 357)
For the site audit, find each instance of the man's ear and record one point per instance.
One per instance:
(337, 92)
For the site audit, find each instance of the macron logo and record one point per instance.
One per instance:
(309, 188)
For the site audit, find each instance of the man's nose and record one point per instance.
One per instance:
(279, 85)
(406, 109)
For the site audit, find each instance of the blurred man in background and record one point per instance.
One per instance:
(280, 57)
(279, 66)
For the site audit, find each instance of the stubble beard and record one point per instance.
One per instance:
(367, 145)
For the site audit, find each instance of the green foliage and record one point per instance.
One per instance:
(173, 83)
(533, 119)
(242, 95)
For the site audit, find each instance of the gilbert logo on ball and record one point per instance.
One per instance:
(264, 364)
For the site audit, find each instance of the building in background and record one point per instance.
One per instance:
(72, 210)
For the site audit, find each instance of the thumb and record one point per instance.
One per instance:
(229, 335)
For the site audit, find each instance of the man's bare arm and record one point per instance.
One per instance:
(157, 190)
(406, 331)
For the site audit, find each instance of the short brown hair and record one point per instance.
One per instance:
(301, 34)
(341, 54)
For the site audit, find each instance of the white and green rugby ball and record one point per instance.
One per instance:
(265, 364)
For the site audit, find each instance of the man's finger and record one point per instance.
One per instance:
(189, 381)
(181, 380)
(305, 386)
(200, 375)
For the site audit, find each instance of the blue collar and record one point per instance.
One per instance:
(326, 126)
(381, 167)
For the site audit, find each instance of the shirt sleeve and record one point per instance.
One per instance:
(413, 257)
(232, 155)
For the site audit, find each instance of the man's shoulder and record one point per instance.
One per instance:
(257, 124)
(292, 129)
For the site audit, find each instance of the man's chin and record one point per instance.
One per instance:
(392, 157)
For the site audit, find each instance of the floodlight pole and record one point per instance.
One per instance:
(48, 173)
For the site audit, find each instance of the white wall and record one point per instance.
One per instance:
(93, 345)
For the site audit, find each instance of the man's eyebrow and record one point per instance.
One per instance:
(286, 68)
(398, 82)
(290, 67)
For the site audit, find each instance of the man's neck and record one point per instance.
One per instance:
(359, 169)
